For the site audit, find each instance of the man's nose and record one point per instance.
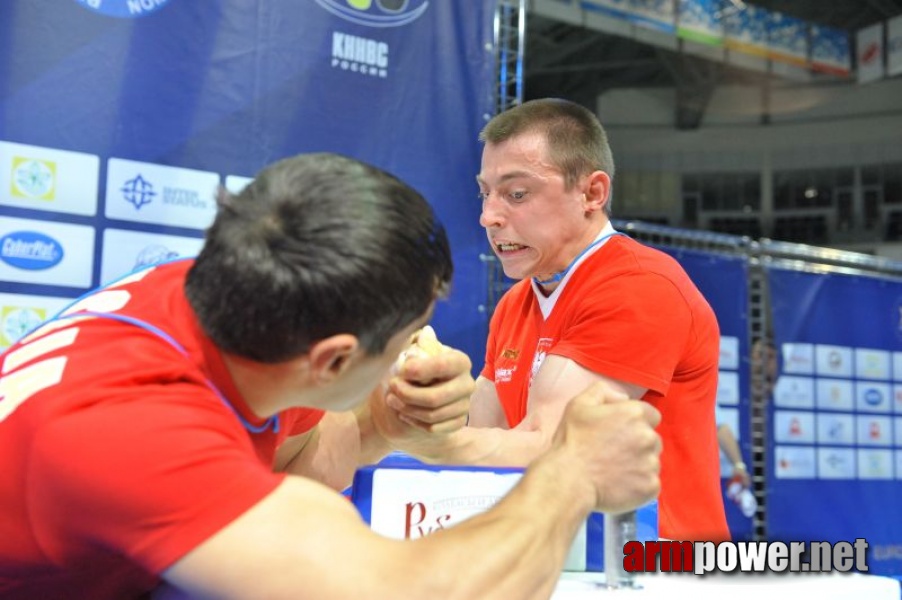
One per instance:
(492, 212)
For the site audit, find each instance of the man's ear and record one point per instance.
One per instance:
(597, 191)
(330, 357)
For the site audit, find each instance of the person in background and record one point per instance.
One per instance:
(726, 439)
(180, 429)
(591, 305)
(738, 485)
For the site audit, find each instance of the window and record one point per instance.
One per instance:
(725, 191)
(750, 226)
(801, 229)
(892, 184)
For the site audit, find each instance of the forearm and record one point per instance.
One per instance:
(342, 442)
(287, 545)
(526, 538)
(729, 446)
(489, 446)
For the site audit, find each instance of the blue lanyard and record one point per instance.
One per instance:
(561, 274)
(272, 422)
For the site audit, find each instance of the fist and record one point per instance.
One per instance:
(613, 439)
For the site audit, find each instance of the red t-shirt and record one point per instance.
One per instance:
(117, 457)
(630, 313)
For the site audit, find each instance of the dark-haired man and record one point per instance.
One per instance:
(178, 425)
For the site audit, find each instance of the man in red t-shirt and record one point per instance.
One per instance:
(177, 426)
(592, 305)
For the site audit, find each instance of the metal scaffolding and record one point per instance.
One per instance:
(510, 47)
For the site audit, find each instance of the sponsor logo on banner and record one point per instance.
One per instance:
(835, 463)
(794, 392)
(835, 394)
(872, 397)
(872, 364)
(835, 429)
(138, 192)
(364, 55)
(798, 358)
(126, 251)
(874, 431)
(359, 54)
(794, 462)
(123, 9)
(835, 361)
(30, 250)
(376, 13)
(792, 426)
(729, 352)
(152, 255)
(33, 178)
(16, 321)
(21, 313)
(46, 252)
(48, 179)
(875, 464)
(160, 194)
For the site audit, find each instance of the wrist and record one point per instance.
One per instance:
(373, 445)
(435, 448)
(570, 481)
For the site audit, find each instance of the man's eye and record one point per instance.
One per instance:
(518, 195)
(483, 196)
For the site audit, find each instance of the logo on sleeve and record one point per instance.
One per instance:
(542, 348)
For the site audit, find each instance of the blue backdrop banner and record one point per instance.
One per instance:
(118, 118)
(835, 420)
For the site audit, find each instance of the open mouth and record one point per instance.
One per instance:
(506, 247)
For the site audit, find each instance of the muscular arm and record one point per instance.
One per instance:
(304, 539)
(438, 379)
(488, 440)
(335, 448)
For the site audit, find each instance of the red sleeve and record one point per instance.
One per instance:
(511, 302)
(633, 328)
(150, 476)
(301, 420)
(488, 370)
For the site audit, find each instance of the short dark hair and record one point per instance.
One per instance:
(577, 143)
(316, 245)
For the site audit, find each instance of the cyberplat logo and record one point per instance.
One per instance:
(376, 13)
(123, 9)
